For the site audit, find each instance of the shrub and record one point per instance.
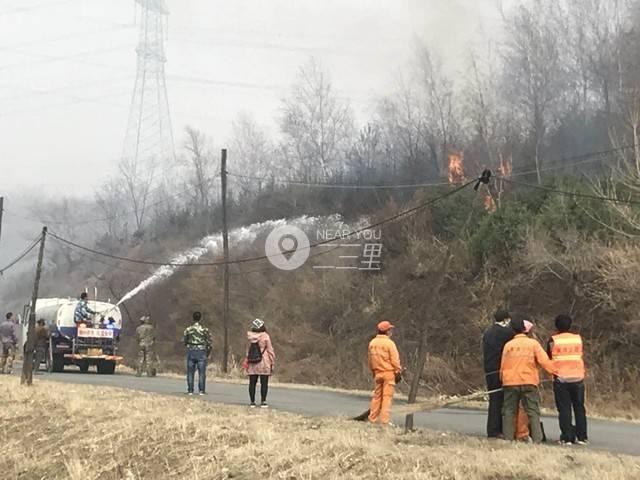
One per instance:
(499, 235)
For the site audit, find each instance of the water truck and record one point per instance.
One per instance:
(95, 344)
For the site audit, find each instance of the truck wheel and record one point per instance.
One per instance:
(57, 365)
(106, 367)
(84, 366)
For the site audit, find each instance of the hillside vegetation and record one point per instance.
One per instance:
(555, 106)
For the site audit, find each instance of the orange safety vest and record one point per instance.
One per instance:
(567, 355)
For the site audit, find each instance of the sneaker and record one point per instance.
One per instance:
(202, 393)
(252, 405)
(566, 444)
(264, 405)
(189, 393)
(583, 442)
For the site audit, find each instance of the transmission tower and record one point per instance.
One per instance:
(149, 138)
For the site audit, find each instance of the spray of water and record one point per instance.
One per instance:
(238, 238)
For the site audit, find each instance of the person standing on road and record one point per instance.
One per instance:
(146, 337)
(42, 345)
(197, 339)
(384, 363)
(260, 361)
(493, 342)
(521, 358)
(8, 343)
(566, 352)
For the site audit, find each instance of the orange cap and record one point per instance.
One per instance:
(384, 326)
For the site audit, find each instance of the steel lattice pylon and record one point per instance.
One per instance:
(149, 138)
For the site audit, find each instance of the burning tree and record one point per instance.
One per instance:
(456, 167)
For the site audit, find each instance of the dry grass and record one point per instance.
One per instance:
(54, 431)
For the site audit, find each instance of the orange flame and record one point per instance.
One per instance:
(506, 167)
(456, 167)
(489, 203)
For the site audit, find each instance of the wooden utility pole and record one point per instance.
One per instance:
(27, 364)
(1, 211)
(225, 248)
(422, 346)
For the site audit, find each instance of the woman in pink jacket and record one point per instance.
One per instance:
(259, 362)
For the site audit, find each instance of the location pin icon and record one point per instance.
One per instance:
(288, 245)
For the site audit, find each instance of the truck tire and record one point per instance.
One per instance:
(84, 366)
(106, 367)
(57, 364)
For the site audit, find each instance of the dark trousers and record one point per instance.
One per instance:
(264, 387)
(571, 396)
(197, 359)
(494, 414)
(530, 398)
(41, 356)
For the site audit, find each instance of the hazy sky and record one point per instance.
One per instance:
(67, 69)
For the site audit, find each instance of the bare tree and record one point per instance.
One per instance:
(138, 180)
(437, 89)
(367, 157)
(535, 77)
(111, 203)
(201, 169)
(253, 155)
(485, 116)
(316, 125)
(71, 219)
(408, 142)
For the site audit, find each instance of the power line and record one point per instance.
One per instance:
(337, 185)
(560, 164)
(29, 8)
(21, 256)
(571, 194)
(397, 216)
(581, 160)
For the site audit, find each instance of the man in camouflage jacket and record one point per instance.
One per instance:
(146, 336)
(197, 339)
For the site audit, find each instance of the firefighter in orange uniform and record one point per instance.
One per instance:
(522, 421)
(521, 358)
(566, 352)
(384, 362)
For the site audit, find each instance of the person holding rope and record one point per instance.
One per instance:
(384, 362)
(493, 342)
(566, 352)
(520, 379)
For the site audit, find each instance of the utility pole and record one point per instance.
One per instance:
(225, 248)
(1, 210)
(422, 345)
(27, 364)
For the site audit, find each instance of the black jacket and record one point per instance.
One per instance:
(493, 341)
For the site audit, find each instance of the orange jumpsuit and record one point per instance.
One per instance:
(522, 424)
(384, 362)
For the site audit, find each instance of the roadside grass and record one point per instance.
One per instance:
(56, 431)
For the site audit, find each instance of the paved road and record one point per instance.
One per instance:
(618, 437)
